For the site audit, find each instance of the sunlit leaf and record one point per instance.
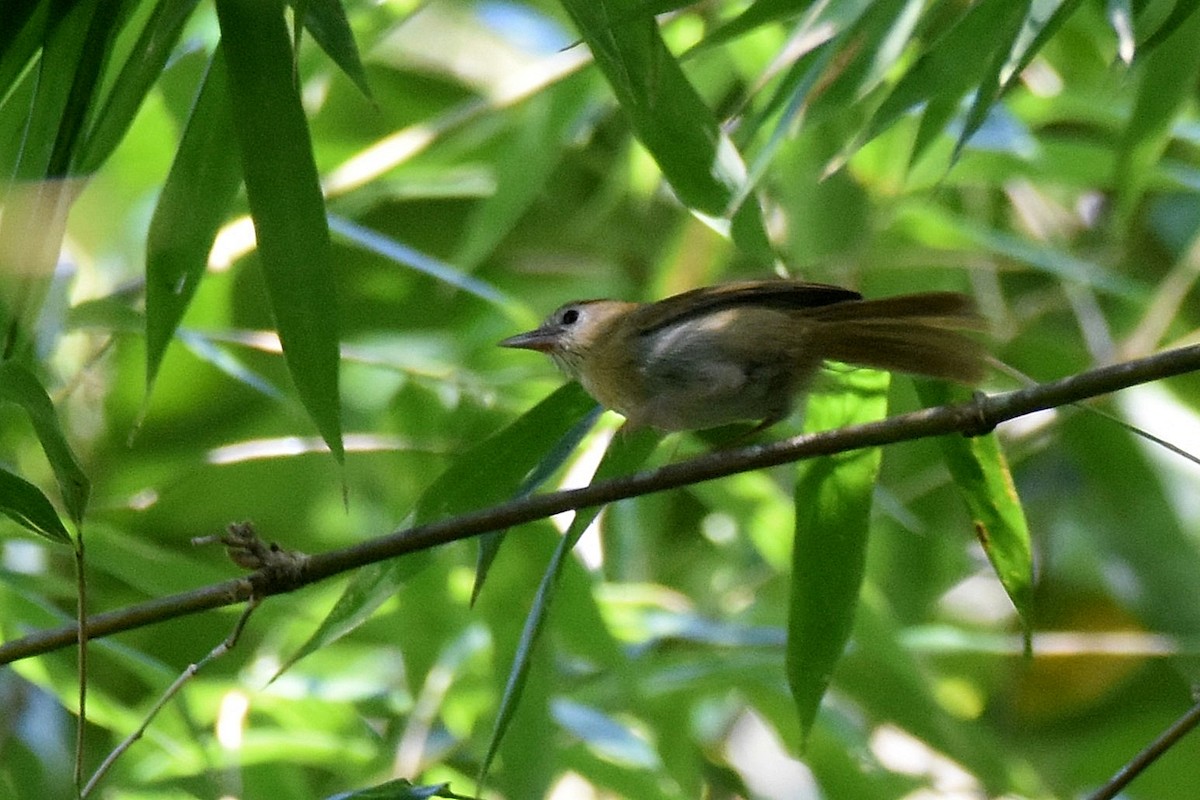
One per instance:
(670, 118)
(1162, 89)
(981, 474)
(952, 66)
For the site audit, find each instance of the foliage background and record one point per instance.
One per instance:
(1070, 213)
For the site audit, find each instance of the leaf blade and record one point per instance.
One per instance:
(25, 504)
(284, 191)
(199, 188)
(833, 506)
(19, 386)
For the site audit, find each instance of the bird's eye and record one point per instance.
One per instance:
(570, 316)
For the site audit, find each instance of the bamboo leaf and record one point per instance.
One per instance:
(487, 474)
(670, 118)
(833, 509)
(625, 454)
(326, 21)
(952, 66)
(19, 386)
(981, 474)
(145, 64)
(24, 503)
(286, 203)
(203, 180)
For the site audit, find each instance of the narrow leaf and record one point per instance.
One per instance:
(19, 386)
(833, 508)
(29, 508)
(203, 181)
(625, 454)
(141, 69)
(286, 203)
(489, 543)
(1164, 86)
(669, 116)
(483, 476)
(1007, 66)
(981, 474)
(375, 242)
(953, 64)
(400, 789)
(326, 21)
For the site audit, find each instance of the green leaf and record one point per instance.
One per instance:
(1164, 86)
(1007, 65)
(284, 191)
(1180, 13)
(983, 479)
(670, 118)
(326, 21)
(145, 64)
(625, 454)
(37, 199)
(25, 504)
(195, 198)
(19, 386)
(489, 543)
(484, 475)
(952, 66)
(833, 508)
(102, 29)
(764, 12)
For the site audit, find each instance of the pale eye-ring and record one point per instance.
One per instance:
(570, 316)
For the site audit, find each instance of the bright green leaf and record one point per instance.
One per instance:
(953, 65)
(981, 474)
(669, 116)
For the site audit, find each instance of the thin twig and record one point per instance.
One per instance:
(1180, 728)
(81, 662)
(172, 690)
(973, 418)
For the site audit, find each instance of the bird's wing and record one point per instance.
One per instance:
(783, 295)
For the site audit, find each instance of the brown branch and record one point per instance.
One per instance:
(1180, 728)
(973, 418)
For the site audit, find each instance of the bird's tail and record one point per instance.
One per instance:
(920, 334)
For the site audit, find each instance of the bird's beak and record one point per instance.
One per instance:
(542, 339)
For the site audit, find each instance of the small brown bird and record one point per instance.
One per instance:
(743, 351)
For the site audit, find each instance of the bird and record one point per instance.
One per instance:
(744, 351)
